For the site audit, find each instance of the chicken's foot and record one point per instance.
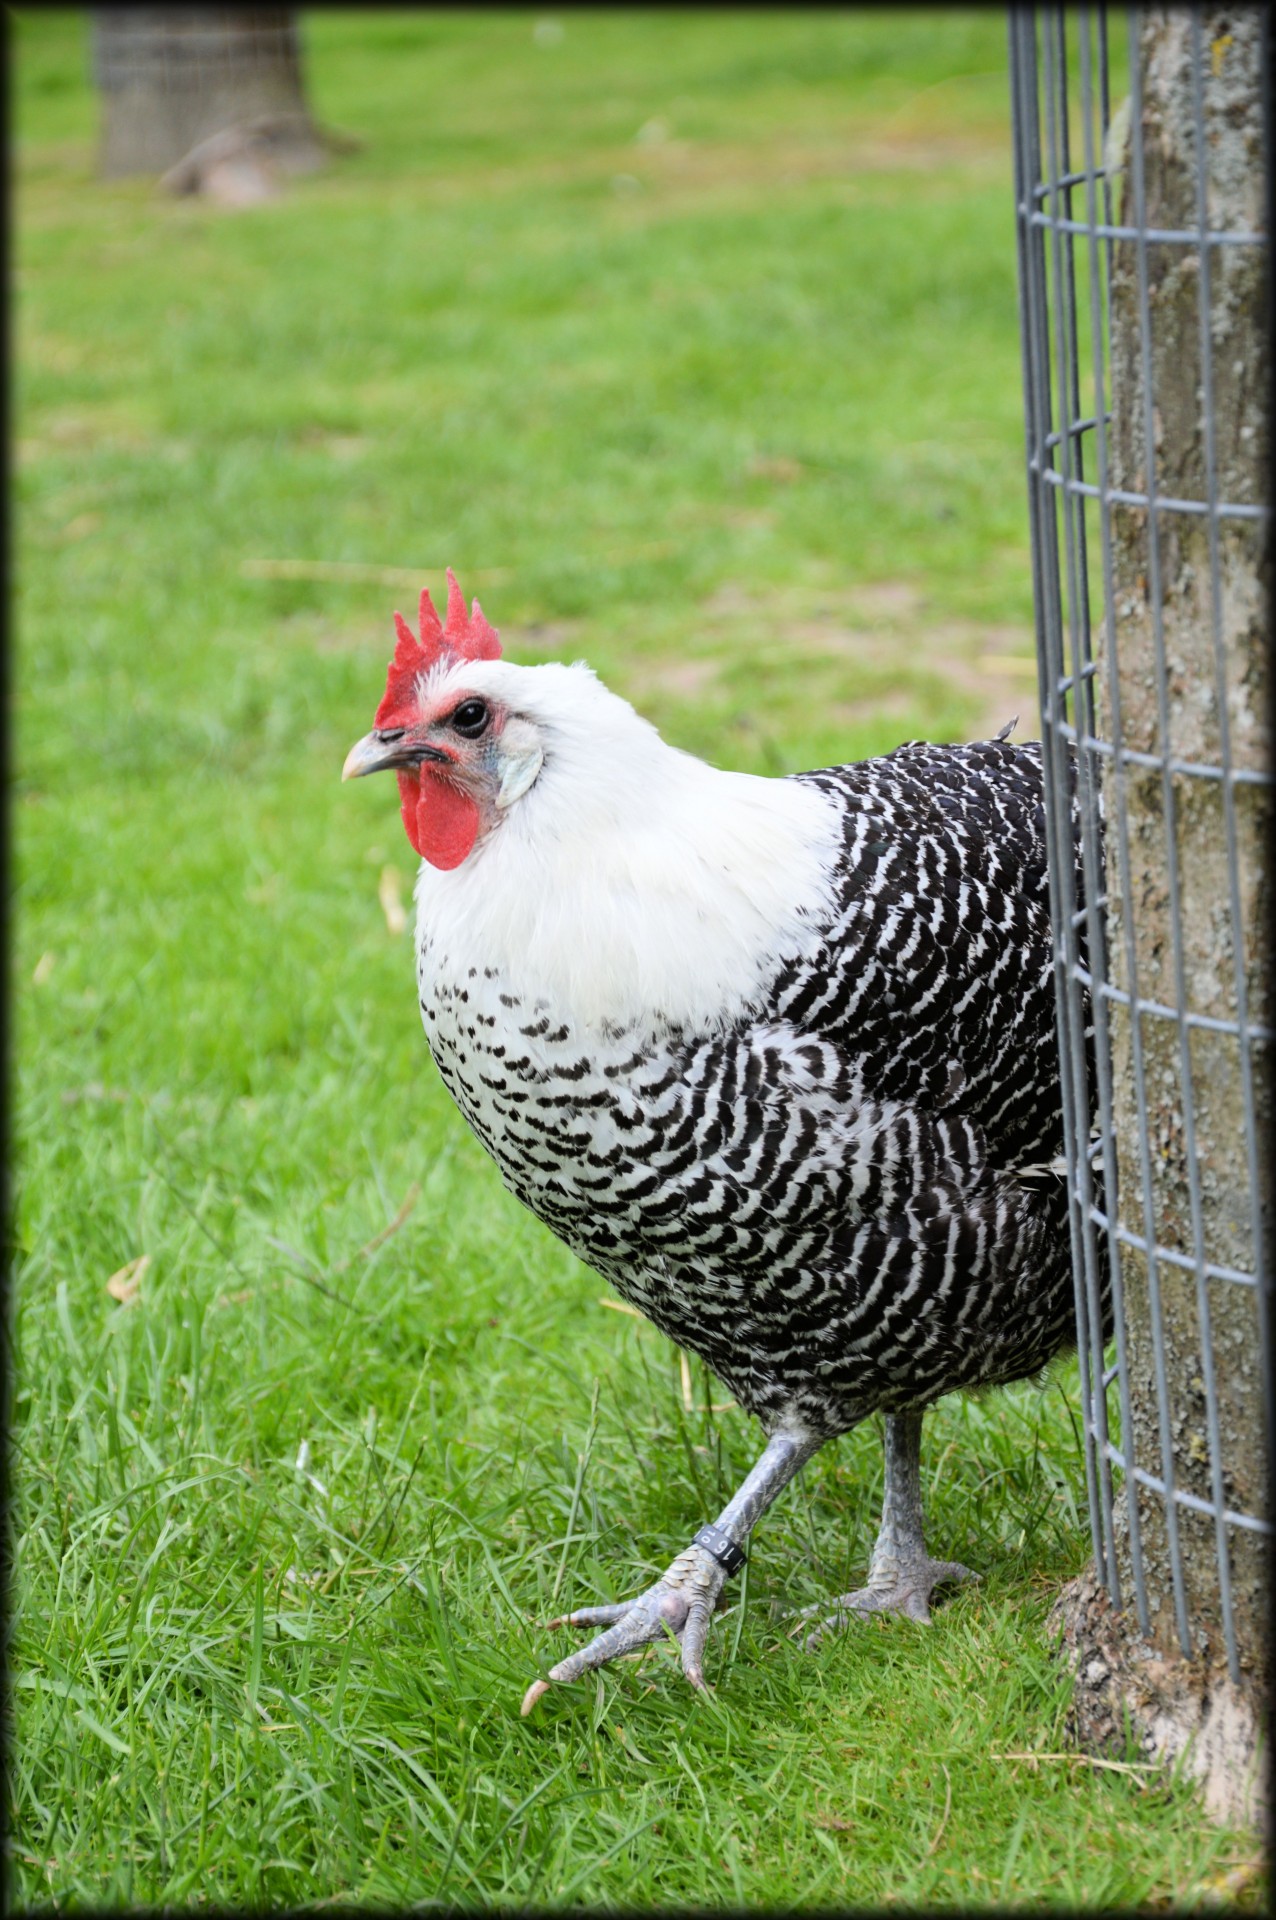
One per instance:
(682, 1601)
(901, 1574)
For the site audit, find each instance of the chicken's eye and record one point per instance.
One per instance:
(470, 718)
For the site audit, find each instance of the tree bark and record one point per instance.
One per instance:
(170, 79)
(1173, 561)
(1190, 670)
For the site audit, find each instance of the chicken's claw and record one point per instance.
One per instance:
(533, 1694)
(681, 1604)
(906, 1590)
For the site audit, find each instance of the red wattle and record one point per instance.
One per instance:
(442, 821)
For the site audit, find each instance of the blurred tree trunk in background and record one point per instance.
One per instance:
(171, 78)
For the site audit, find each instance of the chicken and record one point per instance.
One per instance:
(775, 1056)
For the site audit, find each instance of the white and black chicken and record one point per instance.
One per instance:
(775, 1056)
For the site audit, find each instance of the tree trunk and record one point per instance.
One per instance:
(170, 79)
(1191, 669)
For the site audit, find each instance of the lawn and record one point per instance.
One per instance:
(691, 342)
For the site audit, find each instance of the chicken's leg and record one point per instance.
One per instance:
(683, 1599)
(901, 1574)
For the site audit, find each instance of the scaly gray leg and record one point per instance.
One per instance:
(901, 1574)
(683, 1599)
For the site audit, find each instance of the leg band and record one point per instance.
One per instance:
(722, 1547)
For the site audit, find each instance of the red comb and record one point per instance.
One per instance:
(465, 637)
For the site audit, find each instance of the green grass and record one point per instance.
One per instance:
(732, 410)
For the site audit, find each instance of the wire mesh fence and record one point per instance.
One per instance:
(1139, 182)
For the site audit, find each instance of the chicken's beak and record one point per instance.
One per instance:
(369, 755)
(378, 752)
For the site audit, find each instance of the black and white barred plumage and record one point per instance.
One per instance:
(823, 1194)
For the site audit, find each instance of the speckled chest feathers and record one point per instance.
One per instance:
(821, 1161)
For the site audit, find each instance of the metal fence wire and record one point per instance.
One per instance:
(1150, 677)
